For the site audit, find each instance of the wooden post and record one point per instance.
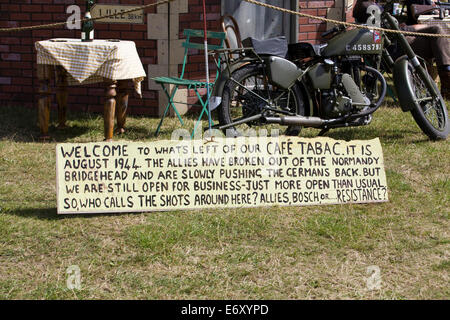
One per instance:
(61, 96)
(109, 109)
(121, 105)
(44, 73)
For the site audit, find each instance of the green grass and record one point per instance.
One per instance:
(316, 252)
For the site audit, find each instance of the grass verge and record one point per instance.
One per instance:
(317, 252)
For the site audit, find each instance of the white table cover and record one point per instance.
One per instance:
(92, 62)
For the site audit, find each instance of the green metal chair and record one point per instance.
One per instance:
(190, 84)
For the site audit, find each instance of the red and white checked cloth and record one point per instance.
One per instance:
(91, 62)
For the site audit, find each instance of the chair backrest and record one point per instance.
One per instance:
(231, 29)
(189, 44)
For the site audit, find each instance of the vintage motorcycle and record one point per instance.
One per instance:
(337, 84)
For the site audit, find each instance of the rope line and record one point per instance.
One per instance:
(347, 24)
(305, 15)
(57, 24)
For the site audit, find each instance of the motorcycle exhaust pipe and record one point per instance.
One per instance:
(297, 121)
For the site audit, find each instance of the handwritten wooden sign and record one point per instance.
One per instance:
(242, 172)
(99, 10)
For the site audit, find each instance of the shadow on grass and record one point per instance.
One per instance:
(362, 133)
(20, 124)
(51, 214)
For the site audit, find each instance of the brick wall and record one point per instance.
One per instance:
(310, 29)
(18, 82)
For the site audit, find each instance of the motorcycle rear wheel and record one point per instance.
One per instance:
(240, 99)
(430, 115)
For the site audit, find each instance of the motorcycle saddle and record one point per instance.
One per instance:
(273, 46)
(303, 50)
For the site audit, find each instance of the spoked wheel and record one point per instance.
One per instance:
(248, 94)
(430, 112)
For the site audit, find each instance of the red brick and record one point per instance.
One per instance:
(107, 34)
(12, 8)
(312, 35)
(59, 17)
(139, 27)
(11, 56)
(26, 41)
(41, 16)
(307, 28)
(302, 21)
(316, 4)
(140, 44)
(55, 8)
(43, 33)
(120, 27)
(96, 92)
(322, 27)
(311, 21)
(42, 1)
(62, 34)
(12, 72)
(303, 4)
(22, 81)
(102, 26)
(30, 90)
(19, 16)
(302, 36)
(63, 1)
(131, 35)
(189, 17)
(150, 52)
(8, 24)
(5, 64)
(27, 72)
(21, 49)
(24, 64)
(9, 40)
(4, 96)
(28, 56)
(149, 60)
(31, 8)
(310, 11)
(12, 88)
(5, 80)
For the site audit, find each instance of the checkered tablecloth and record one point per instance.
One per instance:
(434, 20)
(91, 62)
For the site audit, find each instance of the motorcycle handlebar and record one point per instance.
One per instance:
(333, 30)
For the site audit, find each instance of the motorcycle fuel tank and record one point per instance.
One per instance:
(354, 42)
(282, 72)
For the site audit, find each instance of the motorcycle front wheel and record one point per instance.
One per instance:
(248, 93)
(430, 113)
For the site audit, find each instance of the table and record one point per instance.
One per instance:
(73, 62)
(435, 21)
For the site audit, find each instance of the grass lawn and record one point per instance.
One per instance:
(317, 252)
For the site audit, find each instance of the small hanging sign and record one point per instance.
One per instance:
(99, 10)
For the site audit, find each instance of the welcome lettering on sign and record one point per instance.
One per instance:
(242, 172)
